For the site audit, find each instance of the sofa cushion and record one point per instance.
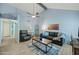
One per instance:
(45, 34)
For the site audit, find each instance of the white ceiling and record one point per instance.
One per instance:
(28, 7)
(65, 6)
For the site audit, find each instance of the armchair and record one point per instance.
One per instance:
(24, 36)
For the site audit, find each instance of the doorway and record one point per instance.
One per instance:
(8, 32)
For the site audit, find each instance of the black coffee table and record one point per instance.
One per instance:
(47, 45)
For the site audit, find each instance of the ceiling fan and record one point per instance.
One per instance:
(34, 14)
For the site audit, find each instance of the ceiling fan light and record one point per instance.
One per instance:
(33, 16)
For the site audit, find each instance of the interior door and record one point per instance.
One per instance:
(6, 28)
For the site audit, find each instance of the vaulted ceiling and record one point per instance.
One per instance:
(31, 8)
(34, 7)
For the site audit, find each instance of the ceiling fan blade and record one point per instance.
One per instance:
(29, 13)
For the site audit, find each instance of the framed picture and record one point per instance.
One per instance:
(53, 27)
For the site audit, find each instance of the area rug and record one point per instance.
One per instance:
(53, 51)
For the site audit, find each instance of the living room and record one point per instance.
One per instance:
(53, 23)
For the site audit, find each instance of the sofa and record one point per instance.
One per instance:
(54, 36)
(24, 35)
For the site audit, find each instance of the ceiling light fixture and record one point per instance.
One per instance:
(33, 16)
